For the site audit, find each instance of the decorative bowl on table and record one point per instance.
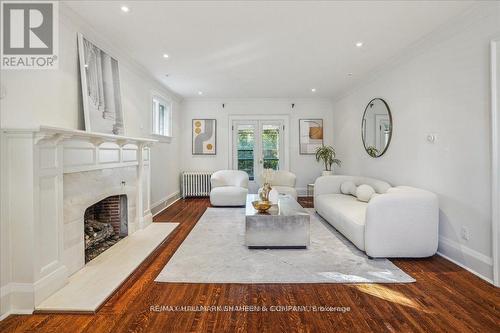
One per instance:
(261, 206)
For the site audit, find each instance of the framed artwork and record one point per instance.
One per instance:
(311, 135)
(102, 105)
(204, 134)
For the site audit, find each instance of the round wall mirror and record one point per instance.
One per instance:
(376, 127)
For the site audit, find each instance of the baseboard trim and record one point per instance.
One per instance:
(28, 295)
(465, 267)
(15, 312)
(164, 203)
(49, 284)
(472, 261)
(15, 290)
(5, 315)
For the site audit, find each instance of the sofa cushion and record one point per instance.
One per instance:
(348, 187)
(346, 214)
(228, 196)
(364, 192)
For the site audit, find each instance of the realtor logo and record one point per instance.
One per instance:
(29, 34)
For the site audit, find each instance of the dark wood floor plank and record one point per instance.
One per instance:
(445, 298)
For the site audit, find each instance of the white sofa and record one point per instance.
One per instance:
(283, 182)
(229, 188)
(400, 221)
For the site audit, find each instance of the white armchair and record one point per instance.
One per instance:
(399, 221)
(283, 182)
(229, 188)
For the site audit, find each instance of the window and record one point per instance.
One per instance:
(162, 117)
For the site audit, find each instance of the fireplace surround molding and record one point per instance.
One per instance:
(49, 177)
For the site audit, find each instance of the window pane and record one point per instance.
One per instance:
(245, 145)
(167, 118)
(161, 119)
(270, 146)
(155, 116)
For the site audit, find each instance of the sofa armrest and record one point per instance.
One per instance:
(402, 223)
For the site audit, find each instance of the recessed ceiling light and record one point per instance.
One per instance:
(313, 89)
(200, 92)
(359, 44)
(165, 55)
(125, 9)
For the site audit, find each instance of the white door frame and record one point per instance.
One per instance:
(495, 159)
(258, 144)
(286, 136)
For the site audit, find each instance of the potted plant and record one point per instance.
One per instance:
(372, 151)
(327, 155)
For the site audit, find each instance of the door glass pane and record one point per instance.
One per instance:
(245, 136)
(270, 146)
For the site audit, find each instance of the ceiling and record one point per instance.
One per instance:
(264, 49)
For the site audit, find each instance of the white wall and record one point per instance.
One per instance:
(305, 166)
(53, 97)
(443, 90)
(496, 194)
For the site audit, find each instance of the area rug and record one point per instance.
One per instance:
(214, 252)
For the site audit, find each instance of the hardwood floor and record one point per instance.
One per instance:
(445, 298)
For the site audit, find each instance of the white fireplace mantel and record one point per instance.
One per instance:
(51, 133)
(42, 172)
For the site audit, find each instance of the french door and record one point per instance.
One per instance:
(257, 145)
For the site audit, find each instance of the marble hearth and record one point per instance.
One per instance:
(49, 177)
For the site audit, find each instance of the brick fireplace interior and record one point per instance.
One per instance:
(105, 224)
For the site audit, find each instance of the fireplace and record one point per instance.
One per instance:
(105, 224)
(50, 176)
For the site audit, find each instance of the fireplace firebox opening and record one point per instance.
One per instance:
(105, 224)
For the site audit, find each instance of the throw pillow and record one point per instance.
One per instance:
(364, 192)
(348, 188)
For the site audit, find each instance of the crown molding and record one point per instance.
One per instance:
(256, 99)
